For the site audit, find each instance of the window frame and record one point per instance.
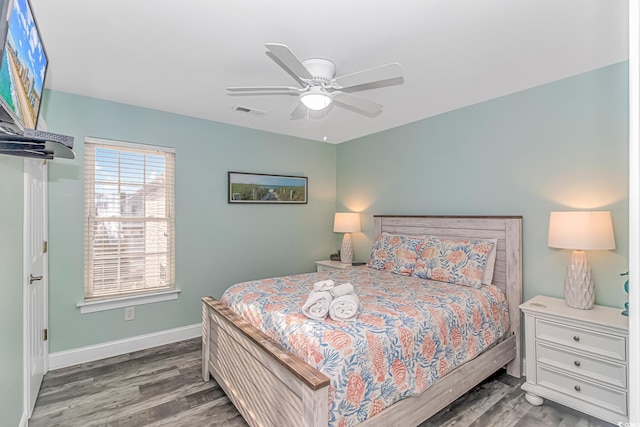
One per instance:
(130, 297)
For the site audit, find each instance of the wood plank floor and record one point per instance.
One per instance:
(162, 386)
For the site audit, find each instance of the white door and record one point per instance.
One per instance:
(36, 280)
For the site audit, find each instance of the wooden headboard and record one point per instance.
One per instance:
(507, 229)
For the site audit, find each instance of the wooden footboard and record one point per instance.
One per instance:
(268, 385)
(271, 387)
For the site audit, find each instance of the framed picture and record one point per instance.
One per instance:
(262, 188)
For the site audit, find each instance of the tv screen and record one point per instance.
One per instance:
(24, 66)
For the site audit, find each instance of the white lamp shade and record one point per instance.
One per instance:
(316, 99)
(346, 222)
(583, 230)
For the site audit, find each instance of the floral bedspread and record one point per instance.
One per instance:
(409, 333)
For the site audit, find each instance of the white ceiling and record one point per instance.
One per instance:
(179, 56)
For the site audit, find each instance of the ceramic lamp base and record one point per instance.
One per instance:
(579, 291)
(346, 251)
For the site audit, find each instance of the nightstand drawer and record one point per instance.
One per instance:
(600, 344)
(612, 400)
(607, 372)
(328, 265)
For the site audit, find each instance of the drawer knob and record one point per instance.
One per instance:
(577, 363)
(576, 338)
(577, 388)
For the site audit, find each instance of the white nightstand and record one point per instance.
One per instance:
(578, 358)
(328, 265)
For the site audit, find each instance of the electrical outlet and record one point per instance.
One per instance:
(129, 313)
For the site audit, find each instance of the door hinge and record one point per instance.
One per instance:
(46, 334)
(45, 246)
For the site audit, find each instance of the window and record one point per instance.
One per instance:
(129, 226)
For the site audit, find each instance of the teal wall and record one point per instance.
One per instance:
(217, 244)
(11, 243)
(560, 146)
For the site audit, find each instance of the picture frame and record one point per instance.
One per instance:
(259, 188)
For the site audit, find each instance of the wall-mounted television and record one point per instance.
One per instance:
(23, 67)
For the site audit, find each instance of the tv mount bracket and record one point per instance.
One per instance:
(37, 144)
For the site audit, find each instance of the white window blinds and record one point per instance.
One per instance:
(129, 211)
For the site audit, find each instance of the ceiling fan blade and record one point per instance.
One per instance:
(289, 60)
(383, 72)
(361, 104)
(300, 112)
(262, 89)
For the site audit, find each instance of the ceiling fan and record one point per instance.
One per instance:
(319, 85)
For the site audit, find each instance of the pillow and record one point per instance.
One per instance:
(459, 261)
(395, 253)
(487, 276)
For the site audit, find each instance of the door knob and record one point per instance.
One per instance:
(33, 278)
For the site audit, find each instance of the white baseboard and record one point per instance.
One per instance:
(76, 356)
(23, 420)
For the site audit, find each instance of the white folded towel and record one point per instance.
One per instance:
(344, 289)
(345, 307)
(317, 305)
(323, 285)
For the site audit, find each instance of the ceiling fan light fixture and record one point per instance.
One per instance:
(316, 99)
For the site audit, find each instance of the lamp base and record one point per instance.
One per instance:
(579, 291)
(346, 251)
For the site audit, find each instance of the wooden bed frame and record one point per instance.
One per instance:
(272, 387)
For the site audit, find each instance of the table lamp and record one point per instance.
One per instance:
(580, 231)
(347, 223)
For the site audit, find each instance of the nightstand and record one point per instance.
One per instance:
(328, 265)
(578, 358)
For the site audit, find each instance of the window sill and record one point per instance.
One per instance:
(128, 301)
